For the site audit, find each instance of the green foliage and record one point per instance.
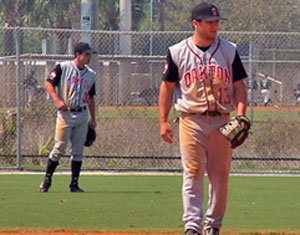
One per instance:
(50, 13)
(8, 132)
(112, 163)
(278, 138)
(109, 15)
(135, 132)
(275, 134)
(45, 145)
(39, 110)
(243, 15)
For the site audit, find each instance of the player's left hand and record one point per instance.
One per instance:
(236, 130)
(92, 124)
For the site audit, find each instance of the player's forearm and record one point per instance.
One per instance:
(240, 97)
(51, 91)
(91, 107)
(165, 101)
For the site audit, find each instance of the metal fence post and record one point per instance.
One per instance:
(153, 82)
(125, 49)
(251, 78)
(19, 102)
(151, 22)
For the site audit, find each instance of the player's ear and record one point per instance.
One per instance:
(76, 54)
(195, 23)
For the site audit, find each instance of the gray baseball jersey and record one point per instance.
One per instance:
(205, 78)
(74, 86)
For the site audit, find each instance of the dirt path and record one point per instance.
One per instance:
(72, 233)
(83, 233)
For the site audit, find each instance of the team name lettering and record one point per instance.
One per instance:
(86, 98)
(187, 79)
(194, 75)
(202, 72)
(86, 85)
(73, 82)
(206, 72)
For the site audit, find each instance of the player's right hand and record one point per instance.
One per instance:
(166, 132)
(60, 105)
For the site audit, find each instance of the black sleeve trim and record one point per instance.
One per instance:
(238, 70)
(55, 75)
(92, 91)
(170, 73)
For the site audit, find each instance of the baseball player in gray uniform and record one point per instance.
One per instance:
(74, 99)
(205, 74)
(265, 85)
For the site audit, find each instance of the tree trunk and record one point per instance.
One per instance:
(161, 17)
(112, 21)
(62, 37)
(74, 16)
(161, 21)
(75, 21)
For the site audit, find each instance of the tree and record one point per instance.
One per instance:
(12, 13)
(9, 18)
(74, 14)
(257, 15)
(138, 13)
(161, 17)
(243, 15)
(51, 13)
(109, 14)
(55, 13)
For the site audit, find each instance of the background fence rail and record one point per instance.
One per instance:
(127, 90)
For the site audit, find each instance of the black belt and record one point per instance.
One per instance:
(209, 113)
(78, 110)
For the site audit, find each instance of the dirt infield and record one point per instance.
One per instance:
(72, 233)
(94, 233)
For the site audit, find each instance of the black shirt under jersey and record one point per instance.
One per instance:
(57, 78)
(238, 70)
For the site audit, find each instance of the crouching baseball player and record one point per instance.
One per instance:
(206, 75)
(74, 99)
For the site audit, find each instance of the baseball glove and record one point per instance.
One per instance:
(235, 131)
(90, 137)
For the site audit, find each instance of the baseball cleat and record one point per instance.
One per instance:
(74, 188)
(45, 185)
(211, 231)
(191, 232)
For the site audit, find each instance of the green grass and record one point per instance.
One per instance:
(258, 115)
(142, 204)
(269, 204)
(148, 115)
(266, 115)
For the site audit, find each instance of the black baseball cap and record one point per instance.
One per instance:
(84, 47)
(206, 11)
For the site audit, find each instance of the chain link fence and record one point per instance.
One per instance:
(129, 70)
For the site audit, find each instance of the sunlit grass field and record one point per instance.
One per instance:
(143, 203)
